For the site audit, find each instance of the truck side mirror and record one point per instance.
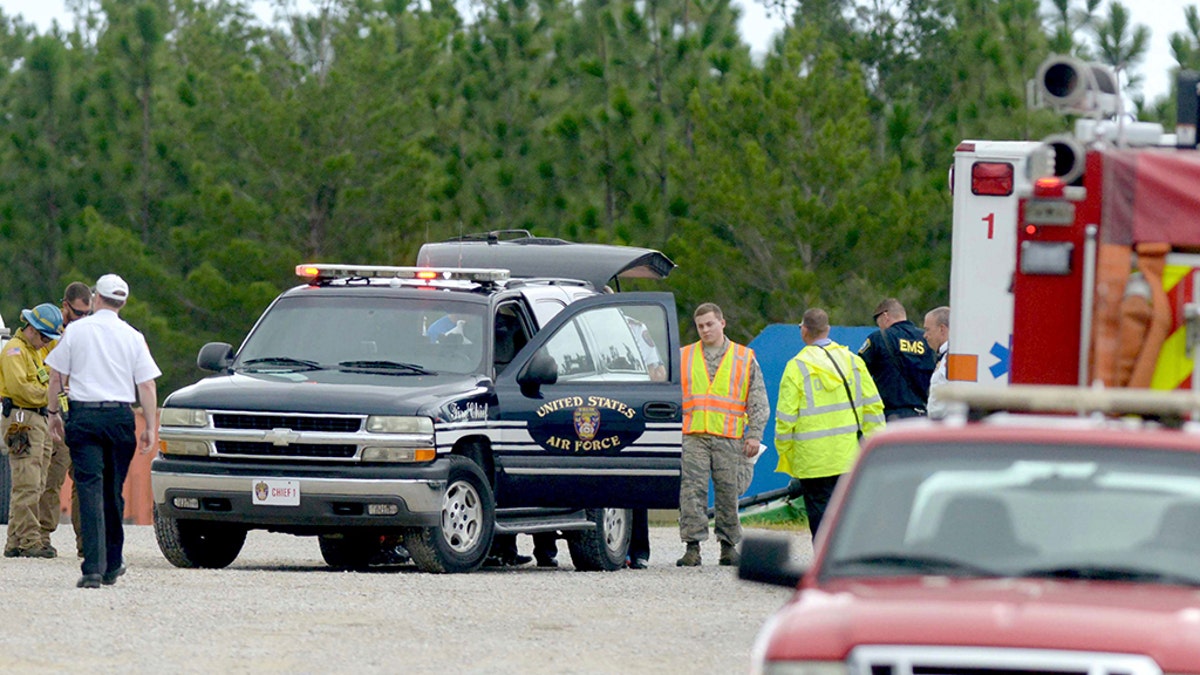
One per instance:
(540, 370)
(767, 560)
(215, 356)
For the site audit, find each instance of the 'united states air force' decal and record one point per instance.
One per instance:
(586, 424)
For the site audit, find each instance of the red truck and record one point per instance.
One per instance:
(1003, 543)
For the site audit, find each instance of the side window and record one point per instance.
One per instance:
(616, 350)
(510, 335)
(567, 348)
(612, 344)
(648, 323)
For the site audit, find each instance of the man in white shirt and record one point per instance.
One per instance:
(110, 368)
(937, 334)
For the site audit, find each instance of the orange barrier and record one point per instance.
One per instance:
(139, 500)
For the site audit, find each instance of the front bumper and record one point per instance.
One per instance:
(331, 497)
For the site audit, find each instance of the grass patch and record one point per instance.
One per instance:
(777, 515)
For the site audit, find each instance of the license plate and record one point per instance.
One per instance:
(269, 492)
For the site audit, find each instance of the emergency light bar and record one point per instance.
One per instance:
(315, 273)
(1067, 399)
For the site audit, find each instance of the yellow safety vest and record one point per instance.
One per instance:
(716, 407)
(816, 432)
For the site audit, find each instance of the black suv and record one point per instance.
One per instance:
(495, 389)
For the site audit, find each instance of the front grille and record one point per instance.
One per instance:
(312, 450)
(293, 422)
(912, 660)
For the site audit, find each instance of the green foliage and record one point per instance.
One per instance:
(202, 154)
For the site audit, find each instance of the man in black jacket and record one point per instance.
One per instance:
(900, 361)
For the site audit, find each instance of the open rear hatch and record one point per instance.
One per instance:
(527, 256)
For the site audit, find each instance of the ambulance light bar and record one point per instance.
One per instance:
(1067, 399)
(319, 272)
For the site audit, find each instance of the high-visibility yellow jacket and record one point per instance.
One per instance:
(816, 434)
(716, 407)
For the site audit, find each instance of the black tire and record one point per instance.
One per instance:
(5, 488)
(462, 541)
(350, 551)
(193, 543)
(604, 548)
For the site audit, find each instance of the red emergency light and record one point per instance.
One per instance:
(993, 179)
(1049, 187)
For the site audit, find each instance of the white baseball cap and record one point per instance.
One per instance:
(112, 287)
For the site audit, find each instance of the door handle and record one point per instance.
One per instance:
(658, 410)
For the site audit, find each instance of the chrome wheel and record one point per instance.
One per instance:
(462, 516)
(616, 524)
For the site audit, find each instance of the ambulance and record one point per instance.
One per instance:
(986, 179)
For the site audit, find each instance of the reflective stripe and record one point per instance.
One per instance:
(809, 411)
(820, 433)
(804, 377)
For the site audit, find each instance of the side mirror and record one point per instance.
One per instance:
(215, 356)
(766, 559)
(540, 370)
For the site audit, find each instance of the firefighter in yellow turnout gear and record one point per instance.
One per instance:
(24, 379)
(827, 402)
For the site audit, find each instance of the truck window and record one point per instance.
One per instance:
(600, 344)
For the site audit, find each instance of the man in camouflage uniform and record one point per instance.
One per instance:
(24, 379)
(725, 411)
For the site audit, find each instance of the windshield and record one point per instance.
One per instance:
(399, 336)
(1051, 511)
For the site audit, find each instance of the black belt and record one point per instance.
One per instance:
(8, 403)
(98, 404)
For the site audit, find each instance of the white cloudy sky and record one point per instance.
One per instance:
(1162, 16)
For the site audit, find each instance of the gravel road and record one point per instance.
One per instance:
(279, 608)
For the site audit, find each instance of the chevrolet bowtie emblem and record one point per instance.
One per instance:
(281, 436)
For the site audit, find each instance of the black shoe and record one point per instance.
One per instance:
(88, 581)
(110, 578)
(12, 553)
(638, 563)
(546, 561)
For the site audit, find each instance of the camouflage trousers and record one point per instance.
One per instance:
(29, 463)
(720, 459)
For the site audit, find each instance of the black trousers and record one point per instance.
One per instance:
(102, 442)
(816, 492)
(639, 542)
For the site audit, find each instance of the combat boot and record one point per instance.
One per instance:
(729, 555)
(691, 557)
(39, 551)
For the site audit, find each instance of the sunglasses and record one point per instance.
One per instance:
(79, 312)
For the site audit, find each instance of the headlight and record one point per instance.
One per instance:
(199, 448)
(386, 424)
(398, 454)
(805, 668)
(183, 417)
